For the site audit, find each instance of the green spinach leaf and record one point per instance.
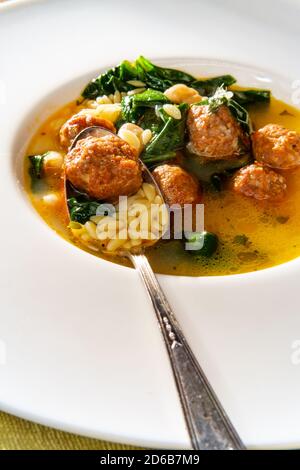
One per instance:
(82, 211)
(117, 78)
(134, 106)
(36, 165)
(160, 78)
(207, 87)
(112, 80)
(150, 120)
(169, 137)
(246, 97)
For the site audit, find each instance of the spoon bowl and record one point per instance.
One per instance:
(98, 131)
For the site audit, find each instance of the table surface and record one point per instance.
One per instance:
(19, 434)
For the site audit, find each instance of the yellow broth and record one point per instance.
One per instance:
(253, 235)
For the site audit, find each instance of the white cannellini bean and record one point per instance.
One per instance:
(172, 111)
(54, 159)
(181, 93)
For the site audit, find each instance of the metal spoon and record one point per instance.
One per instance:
(208, 425)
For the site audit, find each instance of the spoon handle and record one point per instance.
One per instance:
(208, 425)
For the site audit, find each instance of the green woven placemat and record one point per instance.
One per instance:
(16, 433)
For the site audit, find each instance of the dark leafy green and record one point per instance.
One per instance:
(82, 211)
(169, 137)
(241, 115)
(146, 109)
(216, 181)
(206, 168)
(134, 106)
(113, 79)
(36, 172)
(246, 97)
(150, 120)
(201, 243)
(153, 159)
(117, 78)
(160, 78)
(36, 165)
(209, 86)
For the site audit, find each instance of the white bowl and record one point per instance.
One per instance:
(79, 344)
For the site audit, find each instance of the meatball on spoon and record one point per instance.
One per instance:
(208, 425)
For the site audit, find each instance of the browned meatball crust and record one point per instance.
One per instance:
(277, 147)
(215, 134)
(177, 185)
(77, 123)
(260, 182)
(104, 167)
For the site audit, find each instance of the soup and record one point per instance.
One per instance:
(253, 233)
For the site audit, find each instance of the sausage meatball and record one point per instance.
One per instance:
(260, 182)
(177, 186)
(277, 147)
(77, 123)
(215, 134)
(104, 167)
